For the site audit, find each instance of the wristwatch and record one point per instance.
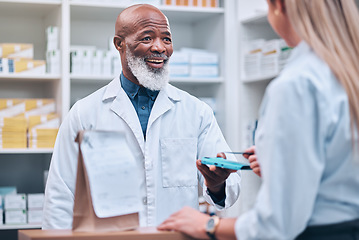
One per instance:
(211, 227)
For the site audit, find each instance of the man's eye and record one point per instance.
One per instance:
(167, 39)
(146, 39)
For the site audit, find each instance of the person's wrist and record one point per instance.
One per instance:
(211, 227)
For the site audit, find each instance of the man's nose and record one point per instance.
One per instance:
(158, 46)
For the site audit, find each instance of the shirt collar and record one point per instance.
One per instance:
(132, 89)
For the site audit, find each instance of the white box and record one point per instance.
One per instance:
(179, 70)
(96, 64)
(34, 216)
(117, 67)
(204, 58)
(35, 201)
(75, 62)
(179, 57)
(4, 66)
(53, 61)
(86, 61)
(204, 71)
(52, 33)
(15, 216)
(15, 201)
(107, 64)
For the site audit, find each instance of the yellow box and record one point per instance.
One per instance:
(17, 50)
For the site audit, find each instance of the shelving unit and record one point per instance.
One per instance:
(92, 23)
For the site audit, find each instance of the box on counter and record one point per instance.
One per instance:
(17, 50)
(15, 201)
(16, 216)
(34, 216)
(35, 201)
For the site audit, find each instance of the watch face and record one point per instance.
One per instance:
(210, 224)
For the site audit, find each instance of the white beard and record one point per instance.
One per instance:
(154, 79)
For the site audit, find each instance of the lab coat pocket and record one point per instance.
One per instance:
(179, 162)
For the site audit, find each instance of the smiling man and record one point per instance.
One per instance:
(167, 129)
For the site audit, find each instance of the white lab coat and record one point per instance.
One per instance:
(180, 130)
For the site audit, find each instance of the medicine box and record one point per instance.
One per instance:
(15, 201)
(204, 71)
(15, 216)
(34, 216)
(27, 66)
(35, 201)
(17, 50)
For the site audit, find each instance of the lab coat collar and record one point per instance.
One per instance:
(114, 87)
(165, 101)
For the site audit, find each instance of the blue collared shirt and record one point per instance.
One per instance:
(142, 100)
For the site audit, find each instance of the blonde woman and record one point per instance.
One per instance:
(307, 137)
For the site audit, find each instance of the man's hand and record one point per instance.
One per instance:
(253, 160)
(215, 177)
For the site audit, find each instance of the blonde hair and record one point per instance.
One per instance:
(330, 27)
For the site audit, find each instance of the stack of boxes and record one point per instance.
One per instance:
(196, 63)
(265, 58)
(17, 58)
(192, 3)
(21, 208)
(35, 203)
(52, 50)
(90, 61)
(15, 209)
(28, 123)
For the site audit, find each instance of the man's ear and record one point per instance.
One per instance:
(119, 42)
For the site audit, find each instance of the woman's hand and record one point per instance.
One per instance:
(188, 221)
(253, 160)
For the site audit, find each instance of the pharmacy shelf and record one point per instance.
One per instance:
(196, 80)
(258, 18)
(260, 78)
(107, 11)
(19, 77)
(22, 226)
(99, 79)
(33, 8)
(26, 151)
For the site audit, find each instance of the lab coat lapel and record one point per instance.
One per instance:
(123, 107)
(164, 102)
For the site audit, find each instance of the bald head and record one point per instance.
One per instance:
(128, 19)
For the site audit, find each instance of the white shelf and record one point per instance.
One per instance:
(18, 77)
(190, 80)
(260, 78)
(107, 11)
(100, 79)
(33, 8)
(26, 151)
(22, 226)
(255, 19)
